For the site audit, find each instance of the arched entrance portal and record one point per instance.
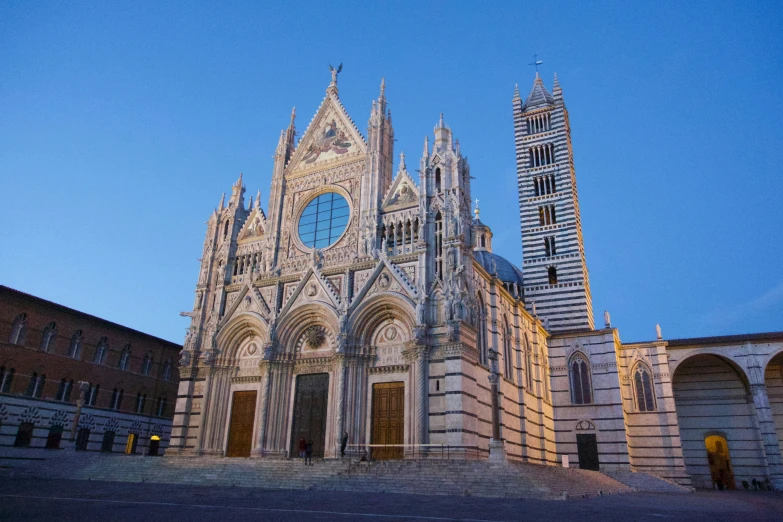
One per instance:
(720, 462)
(310, 410)
(712, 396)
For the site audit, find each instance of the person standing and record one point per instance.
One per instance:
(343, 444)
(309, 453)
(302, 447)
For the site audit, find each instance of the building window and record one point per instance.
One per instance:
(225, 231)
(92, 395)
(146, 364)
(160, 409)
(64, 390)
(101, 350)
(48, 337)
(19, 330)
(546, 215)
(116, 399)
(141, 399)
(124, 358)
(75, 350)
(6, 379)
(437, 180)
(579, 373)
(439, 246)
(24, 435)
(166, 374)
(549, 246)
(539, 123)
(36, 384)
(542, 155)
(482, 331)
(645, 397)
(507, 357)
(552, 272)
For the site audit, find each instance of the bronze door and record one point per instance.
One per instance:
(587, 448)
(240, 432)
(388, 419)
(312, 393)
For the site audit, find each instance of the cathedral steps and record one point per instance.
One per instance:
(463, 478)
(646, 482)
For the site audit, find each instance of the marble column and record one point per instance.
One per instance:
(266, 374)
(422, 396)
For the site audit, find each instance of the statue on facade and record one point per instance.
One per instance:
(421, 309)
(658, 331)
(185, 356)
(607, 320)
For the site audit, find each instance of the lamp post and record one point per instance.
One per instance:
(83, 387)
(497, 451)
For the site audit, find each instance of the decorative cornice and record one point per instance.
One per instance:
(397, 368)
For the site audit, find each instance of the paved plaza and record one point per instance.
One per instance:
(35, 499)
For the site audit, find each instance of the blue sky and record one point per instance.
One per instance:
(122, 124)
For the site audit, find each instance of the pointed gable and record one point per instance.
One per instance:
(331, 137)
(254, 226)
(403, 192)
(539, 97)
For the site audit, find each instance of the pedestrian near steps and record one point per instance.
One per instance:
(343, 444)
(302, 447)
(309, 453)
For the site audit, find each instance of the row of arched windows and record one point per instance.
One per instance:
(543, 185)
(247, 263)
(541, 155)
(549, 246)
(18, 336)
(539, 123)
(546, 215)
(395, 235)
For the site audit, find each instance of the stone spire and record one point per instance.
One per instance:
(222, 201)
(258, 199)
(516, 91)
(426, 146)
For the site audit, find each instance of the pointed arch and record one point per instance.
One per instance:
(579, 376)
(644, 390)
(19, 330)
(232, 336)
(49, 336)
(374, 311)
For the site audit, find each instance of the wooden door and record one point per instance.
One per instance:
(240, 431)
(310, 403)
(388, 419)
(587, 446)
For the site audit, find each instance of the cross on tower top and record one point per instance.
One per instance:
(536, 62)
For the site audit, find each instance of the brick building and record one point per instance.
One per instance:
(128, 379)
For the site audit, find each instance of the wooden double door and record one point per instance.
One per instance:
(240, 430)
(310, 409)
(388, 420)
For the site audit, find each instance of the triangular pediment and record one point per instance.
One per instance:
(403, 192)
(331, 137)
(313, 288)
(386, 277)
(254, 227)
(247, 300)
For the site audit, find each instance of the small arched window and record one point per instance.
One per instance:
(48, 337)
(124, 358)
(552, 272)
(32, 384)
(36, 385)
(645, 395)
(116, 399)
(92, 394)
(437, 180)
(160, 409)
(19, 330)
(529, 365)
(6, 379)
(75, 350)
(141, 399)
(225, 230)
(64, 390)
(166, 373)
(579, 375)
(101, 350)
(146, 364)
(507, 351)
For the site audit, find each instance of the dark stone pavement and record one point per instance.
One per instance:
(32, 499)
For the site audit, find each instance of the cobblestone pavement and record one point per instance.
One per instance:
(31, 499)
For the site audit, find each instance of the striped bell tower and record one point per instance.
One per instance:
(556, 280)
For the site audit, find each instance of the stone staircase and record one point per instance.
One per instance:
(645, 482)
(430, 477)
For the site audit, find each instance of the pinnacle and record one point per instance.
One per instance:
(293, 116)
(402, 161)
(516, 92)
(383, 87)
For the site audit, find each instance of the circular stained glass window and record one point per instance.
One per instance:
(323, 220)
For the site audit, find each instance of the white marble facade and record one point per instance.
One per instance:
(372, 277)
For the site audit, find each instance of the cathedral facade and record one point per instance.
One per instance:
(365, 308)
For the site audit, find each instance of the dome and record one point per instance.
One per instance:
(495, 264)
